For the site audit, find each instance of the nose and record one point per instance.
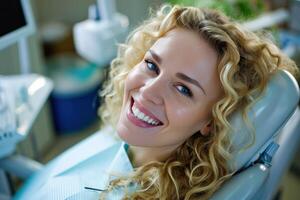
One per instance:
(152, 91)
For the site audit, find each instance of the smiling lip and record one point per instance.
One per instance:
(137, 121)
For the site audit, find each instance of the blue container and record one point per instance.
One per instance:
(75, 94)
(74, 113)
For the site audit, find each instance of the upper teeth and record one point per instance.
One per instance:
(142, 116)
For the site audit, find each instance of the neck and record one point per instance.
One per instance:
(142, 155)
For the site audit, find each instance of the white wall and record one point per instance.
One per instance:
(72, 11)
(67, 11)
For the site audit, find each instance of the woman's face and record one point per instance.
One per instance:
(169, 95)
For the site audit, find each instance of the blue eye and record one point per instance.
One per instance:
(184, 90)
(152, 67)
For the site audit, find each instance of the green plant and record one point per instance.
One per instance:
(236, 9)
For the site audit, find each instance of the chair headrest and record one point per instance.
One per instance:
(267, 116)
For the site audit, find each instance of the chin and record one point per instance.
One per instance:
(125, 135)
(122, 132)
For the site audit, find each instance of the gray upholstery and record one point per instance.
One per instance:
(268, 115)
(276, 118)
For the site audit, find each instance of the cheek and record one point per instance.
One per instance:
(181, 111)
(179, 114)
(187, 117)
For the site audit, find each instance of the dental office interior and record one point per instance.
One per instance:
(53, 64)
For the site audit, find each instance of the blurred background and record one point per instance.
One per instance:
(70, 114)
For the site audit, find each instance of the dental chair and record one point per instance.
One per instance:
(276, 119)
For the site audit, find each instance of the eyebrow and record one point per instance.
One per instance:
(155, 56)
(178, 75)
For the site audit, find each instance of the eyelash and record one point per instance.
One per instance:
(148, 62)
(187, 92)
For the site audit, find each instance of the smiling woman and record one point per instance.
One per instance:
(160, 99)
(171, 91)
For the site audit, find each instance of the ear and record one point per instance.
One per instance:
(206, 128)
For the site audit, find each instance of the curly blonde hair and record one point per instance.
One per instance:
(246, 62)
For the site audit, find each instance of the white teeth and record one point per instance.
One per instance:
(137, 113)
(146, 118)
(154, 122)
(140, 115)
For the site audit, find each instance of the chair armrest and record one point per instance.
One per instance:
(244, 185)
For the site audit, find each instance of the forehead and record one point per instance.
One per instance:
(186, 48)
(188, 52)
